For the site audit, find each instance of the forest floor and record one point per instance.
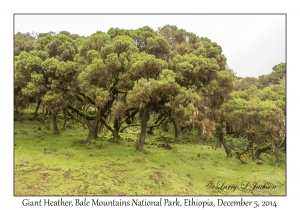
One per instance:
(46, 164)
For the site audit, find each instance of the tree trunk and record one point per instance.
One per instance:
(93, 128)
(176, 130)
(283, 144)
(223, 141)
(96, 131)
(274, 147)
(262, 149)
(249, 147)
(43, 115)
(101, 124)
(37, 108)
(144, 120)
(221, 131)
(55, 128)
(116, 130)
(107, 126)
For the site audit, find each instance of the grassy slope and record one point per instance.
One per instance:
(46, 164)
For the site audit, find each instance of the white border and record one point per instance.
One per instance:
(8, 8)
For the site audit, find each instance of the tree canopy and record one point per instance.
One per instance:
(122, 77)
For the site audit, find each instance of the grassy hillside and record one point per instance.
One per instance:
(46, 164)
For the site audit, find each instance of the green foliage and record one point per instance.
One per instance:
(278, 74)
(118, 109)
(242, 84)
(102, 97)
(54, 101)
(237, 143)
(47, 73)
(171, 73)
(261, 109)
(24, 42)
(58, 46)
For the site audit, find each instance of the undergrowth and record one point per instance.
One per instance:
(46, 164)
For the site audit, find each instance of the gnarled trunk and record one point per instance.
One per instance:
(96, 130)
(221, 130)
(144, 115)
(37, 108)
(43, 115)
(261, 150)
(176, 130)
(116, 130)
(55, 127)
(249, 147)
(283, 144)
(223, 141)
(275, 150)
(93, 128)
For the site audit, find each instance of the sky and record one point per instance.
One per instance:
(252, 44)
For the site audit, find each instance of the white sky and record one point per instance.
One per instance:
(253, 44)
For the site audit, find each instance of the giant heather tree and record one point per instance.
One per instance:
(46, 74)
(259, 114)
(208, 83)
(114, 67)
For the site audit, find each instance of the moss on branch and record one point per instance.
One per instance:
(81, 113)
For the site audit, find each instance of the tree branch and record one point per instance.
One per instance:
(81, 113)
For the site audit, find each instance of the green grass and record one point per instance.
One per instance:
(46, 164)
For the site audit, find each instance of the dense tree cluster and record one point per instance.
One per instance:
(123, 78)
(257, 109)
